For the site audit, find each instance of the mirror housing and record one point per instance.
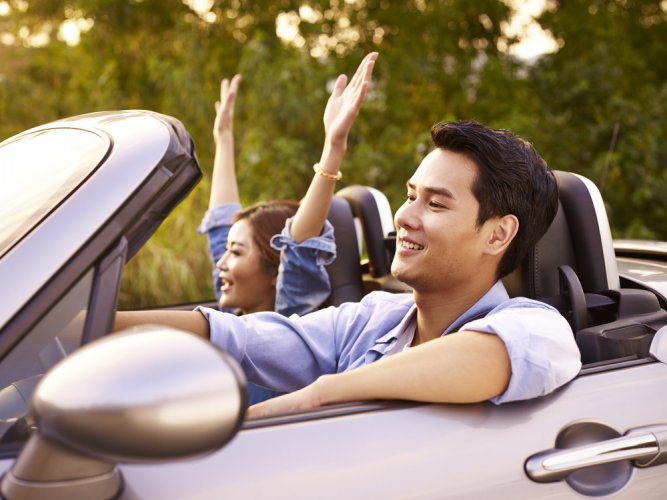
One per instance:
(146, 395)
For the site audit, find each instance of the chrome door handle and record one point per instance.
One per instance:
(646, 446)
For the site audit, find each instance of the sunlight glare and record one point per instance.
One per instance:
(534, 41)
(69, 32)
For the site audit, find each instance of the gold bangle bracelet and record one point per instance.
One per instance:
(327, 175)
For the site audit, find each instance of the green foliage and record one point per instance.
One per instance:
(598, 106)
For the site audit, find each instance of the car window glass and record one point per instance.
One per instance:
(56, 335)
(32, 183)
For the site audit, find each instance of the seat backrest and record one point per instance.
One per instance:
(345, 272)
(578, 237)
(371, 208)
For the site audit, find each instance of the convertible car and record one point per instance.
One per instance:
(159, 413)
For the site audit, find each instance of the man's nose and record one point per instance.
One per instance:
(407, 216)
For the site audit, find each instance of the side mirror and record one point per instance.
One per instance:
(145, 395)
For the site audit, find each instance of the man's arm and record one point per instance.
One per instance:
(189, 321)
(463, 367)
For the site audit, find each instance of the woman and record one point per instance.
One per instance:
(272, 256)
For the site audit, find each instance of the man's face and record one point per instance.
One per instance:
(439, 245)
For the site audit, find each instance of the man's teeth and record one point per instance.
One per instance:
(411, 246)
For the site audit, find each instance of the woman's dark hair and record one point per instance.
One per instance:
(267, 219)
(512, 179)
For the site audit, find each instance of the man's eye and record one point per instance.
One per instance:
(435, 204)
(410, 197)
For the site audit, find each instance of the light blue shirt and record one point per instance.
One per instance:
(289, 353)
(303, 283)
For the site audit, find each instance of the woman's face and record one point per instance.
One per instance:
(246, 285)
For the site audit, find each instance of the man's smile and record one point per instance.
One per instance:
(408, 244)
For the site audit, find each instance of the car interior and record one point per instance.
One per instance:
(572, 268)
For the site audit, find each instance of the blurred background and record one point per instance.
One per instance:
(583, 80)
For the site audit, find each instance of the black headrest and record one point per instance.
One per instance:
(344, 272)
(372, 209)
(579, 237)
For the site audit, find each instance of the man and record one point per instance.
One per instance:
(475, 206)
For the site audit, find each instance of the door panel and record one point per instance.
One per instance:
(428, 451)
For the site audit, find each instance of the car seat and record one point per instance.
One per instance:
(345, 271)
(573, 267)
(375, 221)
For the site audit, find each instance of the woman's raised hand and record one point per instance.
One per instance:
(345, 101)
(224, 188)
(224, 108)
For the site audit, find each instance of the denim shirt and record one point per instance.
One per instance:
(303, 283)
(289, 353)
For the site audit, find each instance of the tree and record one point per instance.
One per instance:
(600, 107)
(597, 106)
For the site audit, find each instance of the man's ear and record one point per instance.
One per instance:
(504, 230)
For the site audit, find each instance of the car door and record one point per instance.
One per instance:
(403, 450)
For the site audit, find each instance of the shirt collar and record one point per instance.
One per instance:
(490, 300)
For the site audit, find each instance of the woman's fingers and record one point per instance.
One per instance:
(357, 74)
(340, 86)
(224, 85)
(364, 70)
(234, 85)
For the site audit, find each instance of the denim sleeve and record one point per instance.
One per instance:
(216, 224)
(303, 282)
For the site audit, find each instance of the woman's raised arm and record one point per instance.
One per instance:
(224, 188)
(342, 109)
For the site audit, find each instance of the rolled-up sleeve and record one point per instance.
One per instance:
(540, 345)
(303, 282)
(215, 225)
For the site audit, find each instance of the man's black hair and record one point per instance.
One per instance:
(512, 179)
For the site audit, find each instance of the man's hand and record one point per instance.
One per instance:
(303, 399)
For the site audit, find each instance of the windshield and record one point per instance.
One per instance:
(38, 171)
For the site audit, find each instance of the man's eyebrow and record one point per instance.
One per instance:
(433, 190)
